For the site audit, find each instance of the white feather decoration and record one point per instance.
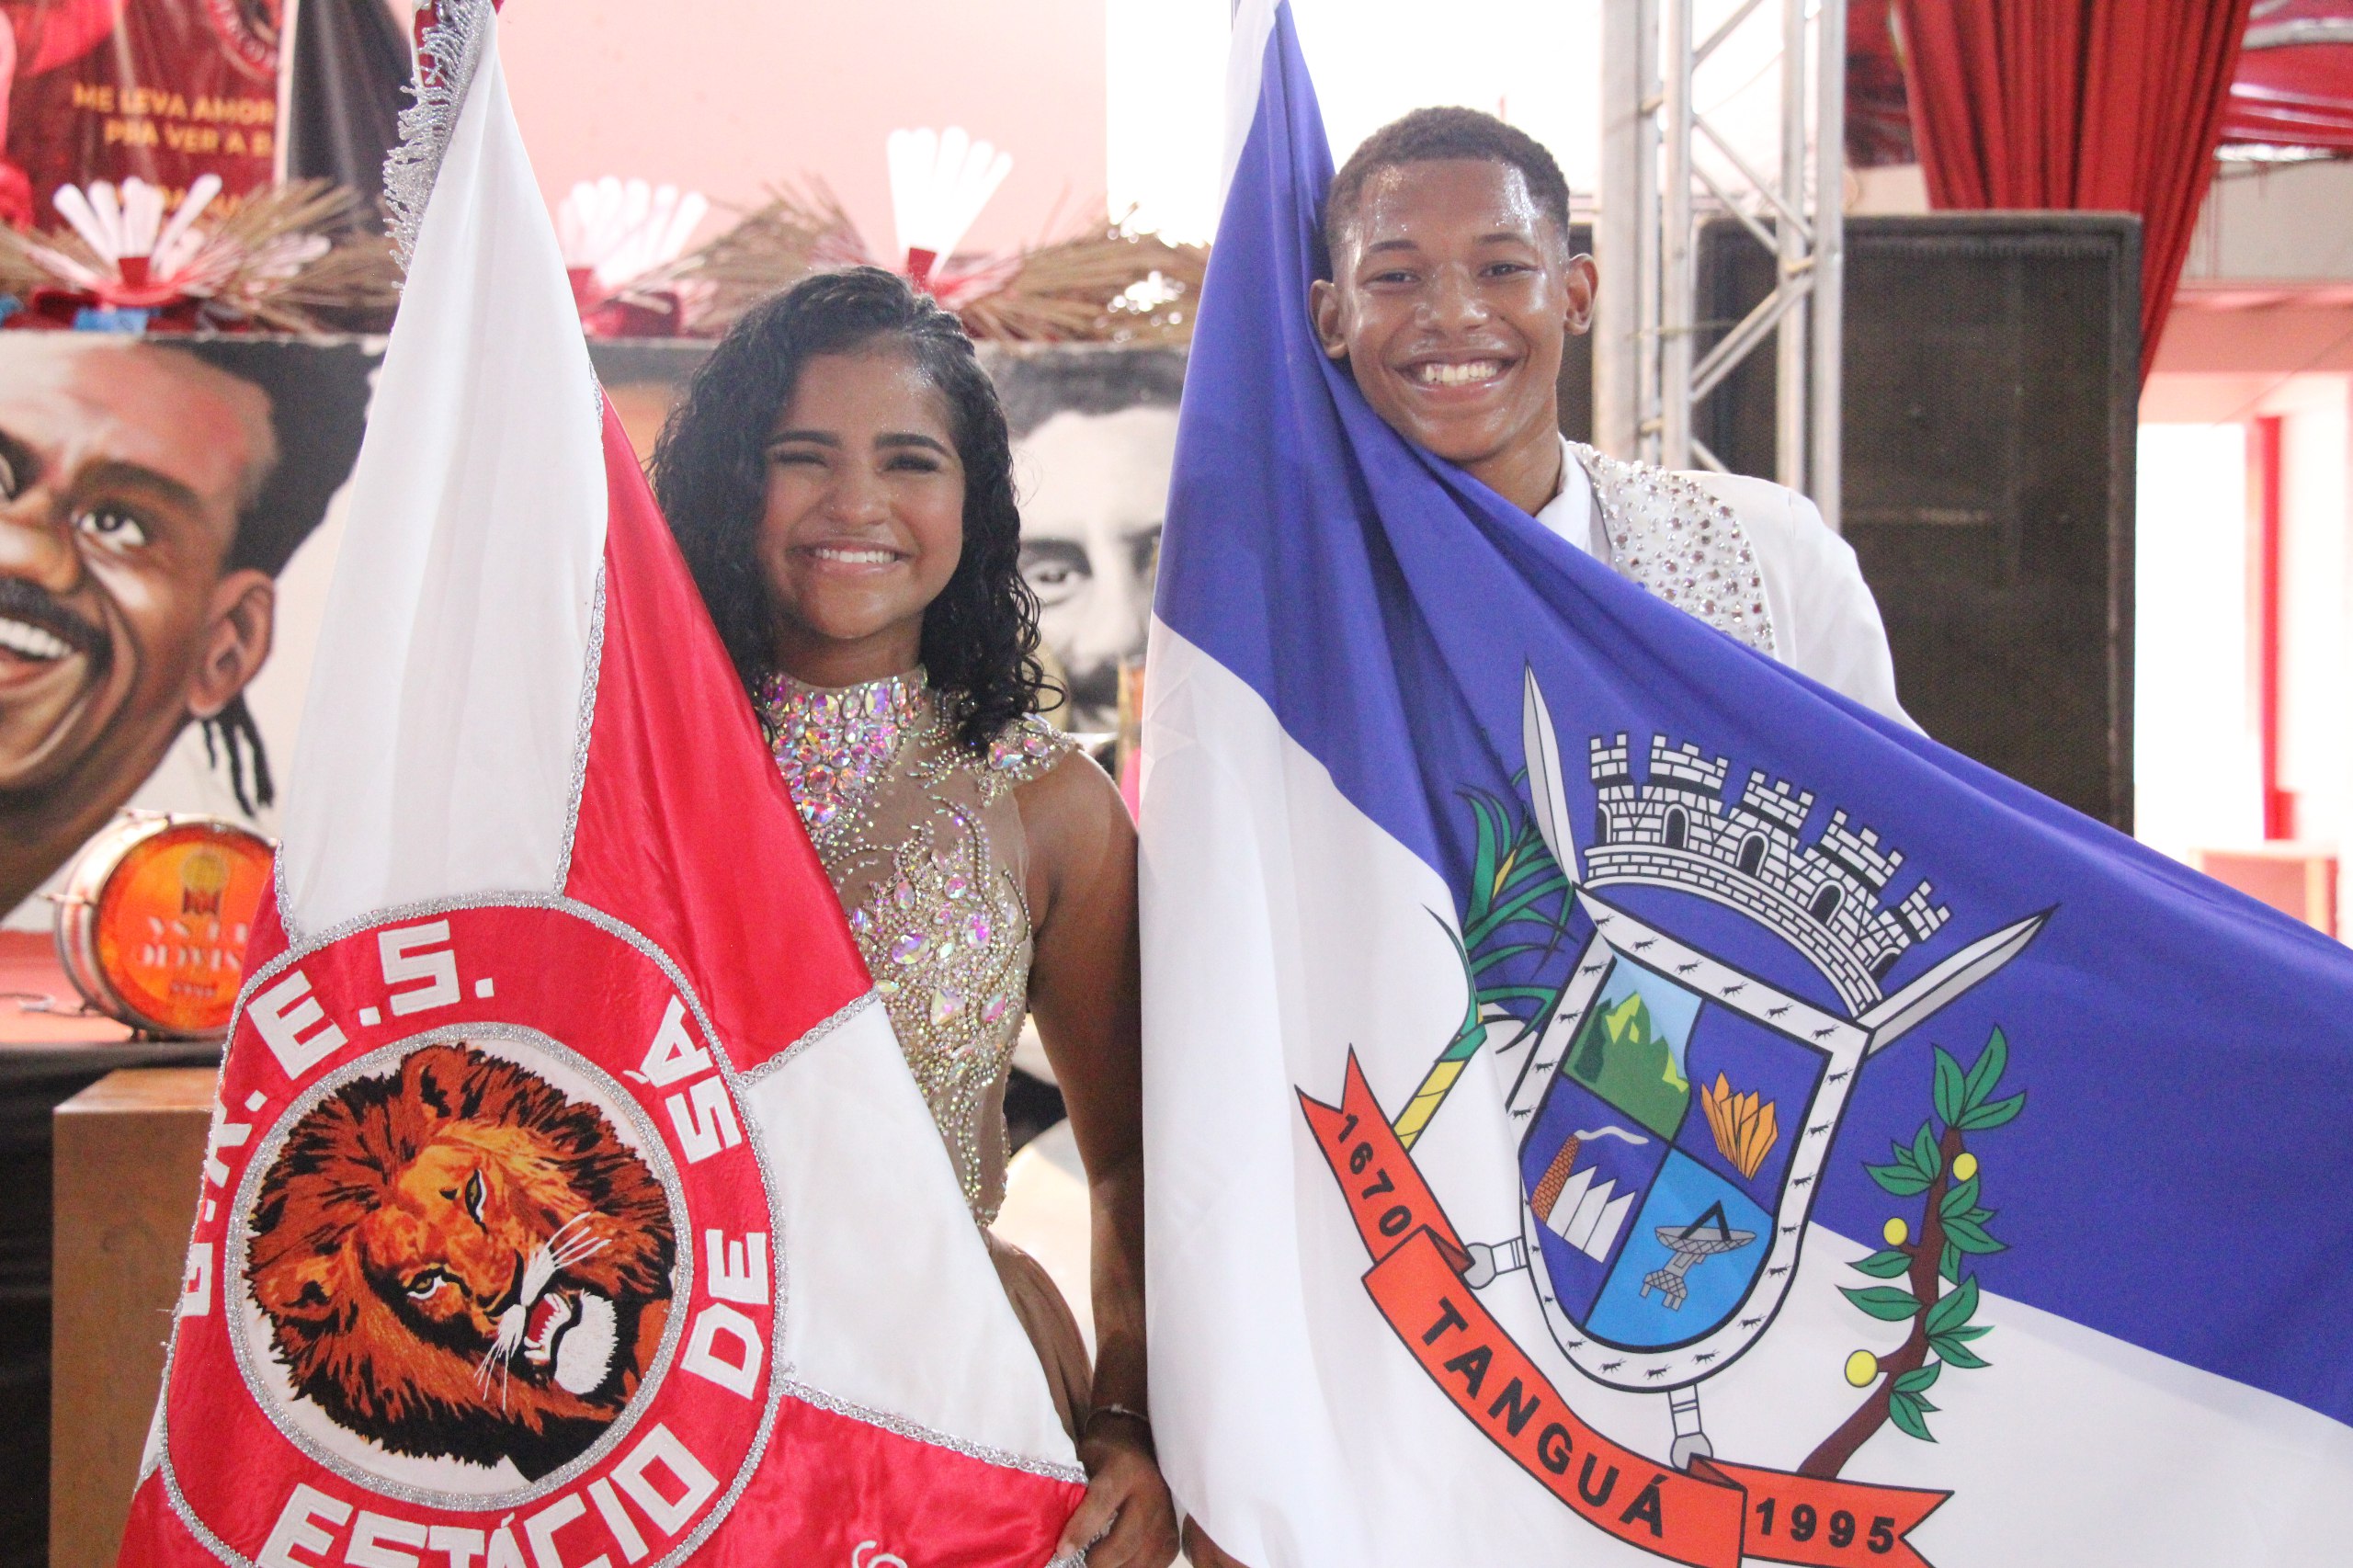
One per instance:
(178, 244)
(621, 230)
(96, 231)
(939, 182)
(129, 224)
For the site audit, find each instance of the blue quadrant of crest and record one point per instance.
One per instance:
(1747, 1057)
(2184, 1050)
(1685, 1199)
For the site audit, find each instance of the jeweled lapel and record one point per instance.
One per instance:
(1682, 544)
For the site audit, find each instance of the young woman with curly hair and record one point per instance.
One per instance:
(840, 478)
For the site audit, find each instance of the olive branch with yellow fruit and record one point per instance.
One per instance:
(1938, 1167)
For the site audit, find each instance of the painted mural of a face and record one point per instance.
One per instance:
(145, 508)
(1095, 435)
(122, 472)
(1090, 539)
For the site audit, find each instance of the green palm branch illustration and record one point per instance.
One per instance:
(1518, 902)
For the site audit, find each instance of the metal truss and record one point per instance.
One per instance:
(1648, 374)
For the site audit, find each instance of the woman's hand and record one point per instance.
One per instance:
(1127, 1519)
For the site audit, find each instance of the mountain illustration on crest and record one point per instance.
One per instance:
(1620, 1055)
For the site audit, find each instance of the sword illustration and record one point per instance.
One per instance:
(1889, 1020)
(1874, 1026)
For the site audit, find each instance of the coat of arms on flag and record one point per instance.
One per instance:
(1674, 1113)
(1734, 1126)
(568, 1199)
(483, 1258)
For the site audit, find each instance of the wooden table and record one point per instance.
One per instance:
(48, 1053)
(130, 1153)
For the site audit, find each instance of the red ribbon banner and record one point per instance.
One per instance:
(1710, 1515)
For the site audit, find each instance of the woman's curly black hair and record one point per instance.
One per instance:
(979, 636)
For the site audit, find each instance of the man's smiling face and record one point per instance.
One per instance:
(123, 468)
(1451, 296)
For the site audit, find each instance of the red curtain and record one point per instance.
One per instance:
(2091, 105)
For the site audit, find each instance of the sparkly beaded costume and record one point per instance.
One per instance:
(924, 843)
(1681, 543)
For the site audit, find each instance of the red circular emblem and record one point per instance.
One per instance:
(248, 31)
(487, 1250)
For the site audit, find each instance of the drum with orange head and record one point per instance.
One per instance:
(153, 922)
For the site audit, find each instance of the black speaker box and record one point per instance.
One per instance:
(1992, 377)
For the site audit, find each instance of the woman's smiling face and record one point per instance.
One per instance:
(864, 521)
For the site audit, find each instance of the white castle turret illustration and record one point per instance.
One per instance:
(1679, 828)
(1770, 852)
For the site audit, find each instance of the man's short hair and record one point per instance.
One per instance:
(1036, 384)
(1436, 135)
(318, 395)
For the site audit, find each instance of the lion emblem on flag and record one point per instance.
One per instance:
(460, 1259)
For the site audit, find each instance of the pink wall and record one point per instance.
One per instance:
(727, 95)
(2220, 329)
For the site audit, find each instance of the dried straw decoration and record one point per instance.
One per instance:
(274, 261)
(1110, 285)
(1106, 284)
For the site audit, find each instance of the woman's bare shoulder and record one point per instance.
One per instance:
(1073, 806)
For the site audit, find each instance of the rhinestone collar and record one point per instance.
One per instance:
(1681, 543)
(831, 743)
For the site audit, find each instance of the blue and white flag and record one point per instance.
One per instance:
(1609, 1096)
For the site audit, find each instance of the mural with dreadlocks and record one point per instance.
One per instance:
(151, 492)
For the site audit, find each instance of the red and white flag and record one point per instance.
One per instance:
(568, 1201)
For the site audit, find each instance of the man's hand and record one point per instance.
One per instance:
(1127, 1519)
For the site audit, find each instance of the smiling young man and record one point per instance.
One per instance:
(148, 496)
(1451, 295)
